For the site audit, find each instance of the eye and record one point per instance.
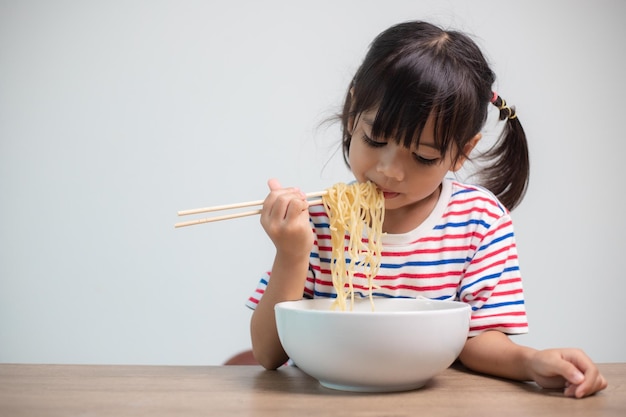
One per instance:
(373, 143)
(425, 161)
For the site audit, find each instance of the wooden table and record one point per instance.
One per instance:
(102, 390)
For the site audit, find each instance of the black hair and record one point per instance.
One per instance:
(415, 70)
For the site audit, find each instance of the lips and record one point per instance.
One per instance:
(390, 194)
(387, 194)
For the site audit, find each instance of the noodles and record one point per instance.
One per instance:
(357, 209)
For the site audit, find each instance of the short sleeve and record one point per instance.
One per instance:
(253, 300)
(492, 283)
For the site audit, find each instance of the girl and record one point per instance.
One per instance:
(413, 113)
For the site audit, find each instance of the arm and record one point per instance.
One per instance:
(493, 353)
(285, 219)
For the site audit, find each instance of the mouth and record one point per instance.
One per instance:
(389, 194)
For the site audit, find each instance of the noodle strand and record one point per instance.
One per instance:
(358, 210)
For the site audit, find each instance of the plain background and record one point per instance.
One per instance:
(114, 115)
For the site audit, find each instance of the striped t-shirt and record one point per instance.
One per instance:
(465, 250)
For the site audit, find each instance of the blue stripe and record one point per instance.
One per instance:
(380, 295)
(328, 260)
(322, 225)
(463, 191)
(497, 275)
(377, 295)
(463, 224)
(411, 263)
(486, 277)
(325, 294)
(497, 305)
(425, 263)
(497, 240)
(481, 190)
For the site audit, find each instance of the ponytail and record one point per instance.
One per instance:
(507, 172)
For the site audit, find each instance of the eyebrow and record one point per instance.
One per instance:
(370, 122)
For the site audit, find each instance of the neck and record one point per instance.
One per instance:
(405, 219)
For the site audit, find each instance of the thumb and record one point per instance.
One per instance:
(274, 184)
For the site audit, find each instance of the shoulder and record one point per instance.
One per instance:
(474, 207)
(470, 197)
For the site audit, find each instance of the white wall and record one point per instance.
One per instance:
(114, 115)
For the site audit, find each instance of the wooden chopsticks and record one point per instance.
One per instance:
(232, 207)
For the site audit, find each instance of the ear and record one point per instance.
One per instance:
(467, 149)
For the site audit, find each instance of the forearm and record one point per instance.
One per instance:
(286, 283)
(493, 353)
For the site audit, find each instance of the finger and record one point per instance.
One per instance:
(296, 207)
(276, 191)
(281, 204)
(573, 375)
(592, 380)
(274, 184)
(582, 363)
(593, 383)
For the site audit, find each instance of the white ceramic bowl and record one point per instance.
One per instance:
(399, 346)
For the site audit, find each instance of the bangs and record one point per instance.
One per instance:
(410, 89)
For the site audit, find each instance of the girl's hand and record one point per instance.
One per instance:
(285, 219)
(569, 368)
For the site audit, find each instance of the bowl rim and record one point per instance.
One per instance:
(454, 306)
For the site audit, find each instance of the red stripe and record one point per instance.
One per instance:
(511, 292)
(420, 288)
(478, 271)
(451, 236)
(431, 251)
(509, 280)
(500, 227)
(499, 251)
(494, 326)
(405, 275)
(473, 296)
(512, 313)
(319, 214)
(473, 210)
(473, 199)
(468, 299)
(323, 282)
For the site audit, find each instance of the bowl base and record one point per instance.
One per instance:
(373, 388)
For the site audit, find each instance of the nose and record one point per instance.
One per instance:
(390, 162)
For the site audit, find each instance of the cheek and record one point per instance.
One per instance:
(426, 181)
(357, 157)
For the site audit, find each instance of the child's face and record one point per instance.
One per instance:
(407, 176)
